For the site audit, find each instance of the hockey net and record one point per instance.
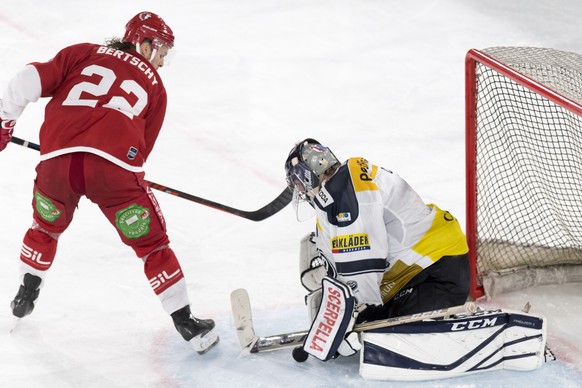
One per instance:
(524, 167)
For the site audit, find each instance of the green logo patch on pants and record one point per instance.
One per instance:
(44, 206)
(133, 221)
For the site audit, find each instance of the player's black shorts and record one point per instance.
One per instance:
(443, 284)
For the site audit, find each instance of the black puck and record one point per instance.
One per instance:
(299, 354)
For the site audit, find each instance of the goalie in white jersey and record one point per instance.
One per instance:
(375, 235)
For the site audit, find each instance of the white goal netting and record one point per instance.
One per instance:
(528, 170)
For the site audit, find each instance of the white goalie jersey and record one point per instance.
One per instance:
(376, 233)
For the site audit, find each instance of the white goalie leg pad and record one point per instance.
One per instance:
(311, 267)
(313, 301)
(333, 320)
(478, 342)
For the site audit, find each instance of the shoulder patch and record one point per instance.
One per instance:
(363, 174)
(337, 199)
(323, 197)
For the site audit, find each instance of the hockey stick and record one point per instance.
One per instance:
(266, 211)
(242, 314)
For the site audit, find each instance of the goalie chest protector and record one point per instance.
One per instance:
(479, 342)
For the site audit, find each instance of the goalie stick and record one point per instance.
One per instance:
(265, 212)
(243, 320)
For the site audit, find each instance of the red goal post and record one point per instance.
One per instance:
(523, 167)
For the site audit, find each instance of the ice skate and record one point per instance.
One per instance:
(23, 302)
(199, 332)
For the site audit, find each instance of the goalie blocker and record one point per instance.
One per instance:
(334, 319)
(435, 349)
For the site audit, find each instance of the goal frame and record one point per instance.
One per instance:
(472, 58)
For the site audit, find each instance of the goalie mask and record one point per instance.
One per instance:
(305, 166)
(148, 25)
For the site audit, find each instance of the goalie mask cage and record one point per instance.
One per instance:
(523, 168)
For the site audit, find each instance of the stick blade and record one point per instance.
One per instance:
(243, 319)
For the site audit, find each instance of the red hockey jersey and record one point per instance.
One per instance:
(104, 101)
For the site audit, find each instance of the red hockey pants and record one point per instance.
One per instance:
(123, 197)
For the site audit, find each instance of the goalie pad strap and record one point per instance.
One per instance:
(332, 320)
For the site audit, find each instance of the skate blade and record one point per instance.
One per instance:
(14, 324)
(202, 344)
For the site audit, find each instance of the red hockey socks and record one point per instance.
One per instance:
(38, 250)
(37, 253)
(166, 279)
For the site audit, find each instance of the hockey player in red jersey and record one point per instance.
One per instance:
(378, 248)
(107, 105)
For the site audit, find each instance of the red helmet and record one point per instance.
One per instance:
(151, 26)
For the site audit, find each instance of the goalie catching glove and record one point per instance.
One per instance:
(330, 332)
